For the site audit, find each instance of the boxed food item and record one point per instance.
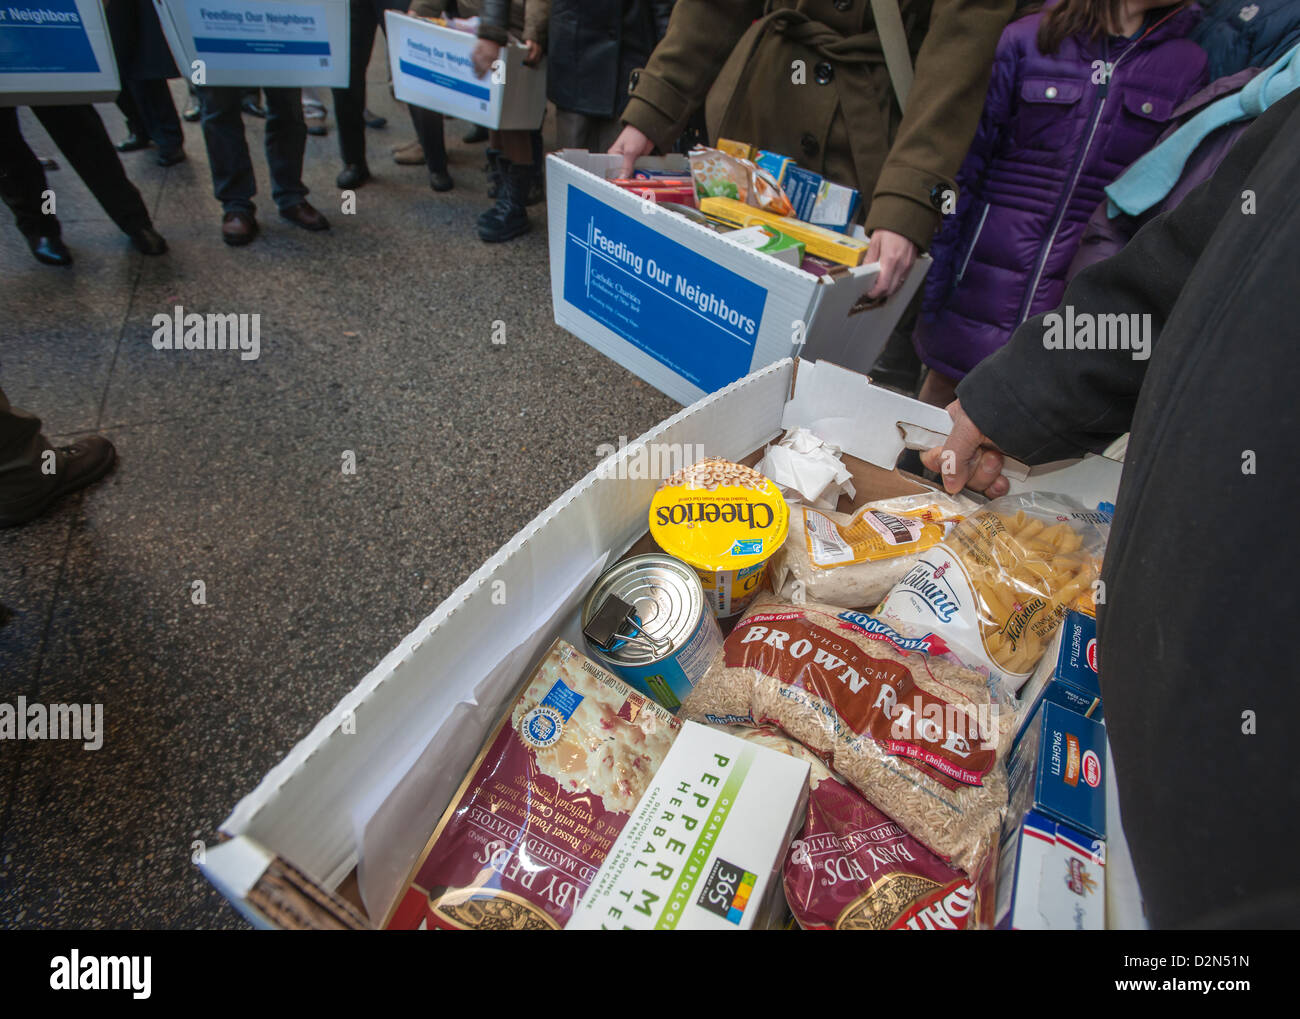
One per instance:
(352, 805)
(819, 241)
(538, 812)
(683, 308)
(741, 150)
(774, 163)
(704, 847)
(770, 241)
(1067, 675)
(852, 868)
(718, 174)
(431, 68)
(1050, 877)
(1057, 768)
(267, 43)
(820, 201)
(54, 53)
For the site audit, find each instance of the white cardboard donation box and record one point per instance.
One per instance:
(266, 43)
(432, 69)
(359, 797)
(685, 308)
(56, 52)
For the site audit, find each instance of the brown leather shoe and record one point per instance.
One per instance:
(238, 228)
(305, 216)
(76, 466)
(411, 154)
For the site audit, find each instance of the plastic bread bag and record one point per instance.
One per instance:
(1001, 581)
(852, 868)
(854, 559)
(919, 735)
(719, 175)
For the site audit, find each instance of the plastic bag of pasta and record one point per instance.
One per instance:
(1001, 581)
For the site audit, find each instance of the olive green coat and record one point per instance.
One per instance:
(809, 80)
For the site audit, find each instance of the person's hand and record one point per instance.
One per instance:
(535, 52)
(484, 55)
(967, 459)
(631, 144)
(896, 255)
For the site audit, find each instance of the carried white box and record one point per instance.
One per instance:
(685, 308)
(56, 52)
(265, 43)
(365, 787)
(432, 69)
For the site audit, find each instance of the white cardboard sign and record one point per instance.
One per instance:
(55, 52)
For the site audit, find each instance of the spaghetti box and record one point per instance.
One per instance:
(703, 848)
(1067, 674)
(816, 200)
(1050, 877)
(1057, 769)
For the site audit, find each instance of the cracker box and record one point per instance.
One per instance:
(1050, 877)
(1058, 769)
(704, 847)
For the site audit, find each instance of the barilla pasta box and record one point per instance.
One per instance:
(1050, 877)
(551, 790)
(704, 847)
(1067, 674)
(1057, 769)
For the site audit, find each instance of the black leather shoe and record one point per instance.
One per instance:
(50, 250)
(133, 143)
(440, 180)
(353, 175)
(305, 216)
(148, 242)
(47, 163)
(374, 120)
(252, 109)
(476, 134)
(508, 218)
(317, 127)
(192, 112)
(75, 467)
(171, 158)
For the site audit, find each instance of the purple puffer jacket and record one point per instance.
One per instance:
(1048, 142)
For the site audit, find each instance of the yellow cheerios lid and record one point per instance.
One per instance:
(719, 515)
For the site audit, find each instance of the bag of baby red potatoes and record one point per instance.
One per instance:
(913, 705)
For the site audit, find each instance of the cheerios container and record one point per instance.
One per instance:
(726, 521)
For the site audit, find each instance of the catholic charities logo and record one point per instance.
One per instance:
(191, 331)
(75, 972)
(1086, 331)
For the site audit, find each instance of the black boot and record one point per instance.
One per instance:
(495, 169)
(508, 218)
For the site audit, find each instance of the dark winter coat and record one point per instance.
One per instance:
(1050, 139)
(138, 41)
(595, 45)
(1247, 33)
(1194, 632)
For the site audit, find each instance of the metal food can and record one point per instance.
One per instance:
(646, 620)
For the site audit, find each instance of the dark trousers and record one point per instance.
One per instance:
(21, 448)
(149, 111)
(233, 182)
(350, 103)
(80, 136)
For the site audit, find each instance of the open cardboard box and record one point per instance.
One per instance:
(687, 309)
(67, 61)
(267, 43)
(431, 68)
(335, 827)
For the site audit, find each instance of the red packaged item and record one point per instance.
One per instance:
(531, 824)
(852, 868)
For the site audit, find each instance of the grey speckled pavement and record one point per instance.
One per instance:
(375, 338)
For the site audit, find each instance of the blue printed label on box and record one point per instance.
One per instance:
(1058, 768)
(1077, 663)
(45, 38)
(684, 310)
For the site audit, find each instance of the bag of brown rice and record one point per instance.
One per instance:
(854, 559)
(922, 738)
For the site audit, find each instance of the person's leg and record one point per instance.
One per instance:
(938, 389)
(571, 129)
(137, 131)
(233, 182)
(158, 115)
(349, 103)
(429, 130)
(509, 217)
(33, 474)
(80, 134)
(22, 180)
(286, 142)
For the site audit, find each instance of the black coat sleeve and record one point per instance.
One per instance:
(1039, 404)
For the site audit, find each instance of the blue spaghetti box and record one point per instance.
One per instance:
(1058, 769)
(1067, 675)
